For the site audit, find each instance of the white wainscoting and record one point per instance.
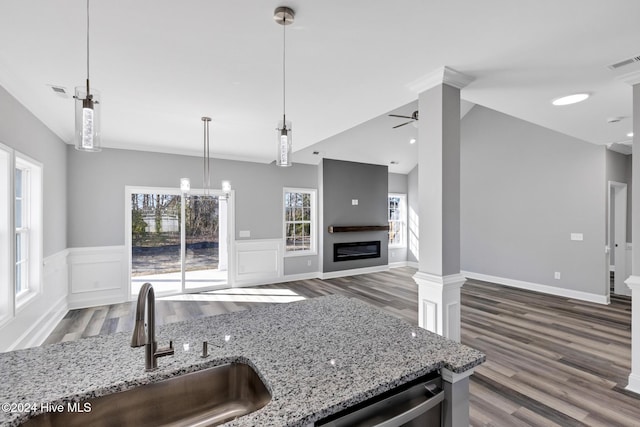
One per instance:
(545, 289)
(97, 276)
(34, 322)
(258, 262)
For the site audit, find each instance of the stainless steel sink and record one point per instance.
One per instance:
(209, 397)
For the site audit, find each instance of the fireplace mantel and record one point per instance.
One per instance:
(356, 228)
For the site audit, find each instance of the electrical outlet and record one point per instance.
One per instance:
(354, 202)
(556, 275)
(308, 263)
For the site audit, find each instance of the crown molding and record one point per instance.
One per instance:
(632, 78)
(443, 75)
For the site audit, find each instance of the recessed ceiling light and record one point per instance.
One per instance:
(570, 99)
(412, 141)
(630, 134)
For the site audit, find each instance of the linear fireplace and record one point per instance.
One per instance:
(356, 250)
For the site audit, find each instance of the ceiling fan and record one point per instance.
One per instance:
(412, 118)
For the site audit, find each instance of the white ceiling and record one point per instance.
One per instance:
(161, 65)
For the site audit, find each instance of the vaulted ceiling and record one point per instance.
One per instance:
(162, 64)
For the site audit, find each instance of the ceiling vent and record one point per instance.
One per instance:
(625, 63)
(59, 90)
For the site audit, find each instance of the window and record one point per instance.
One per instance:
(21, 277)
(299, 221)
(397, 212)
(27, 219)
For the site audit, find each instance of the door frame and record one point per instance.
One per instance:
(617, 199)
(133, 189)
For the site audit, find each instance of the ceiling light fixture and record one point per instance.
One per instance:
(87, 135)
(206, 173)
(630, 134)
(412, 141)
(284, 16)
(570, 99)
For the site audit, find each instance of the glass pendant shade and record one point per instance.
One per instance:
(87, 134)
(185, 185)
(285, 136)
(226, 187)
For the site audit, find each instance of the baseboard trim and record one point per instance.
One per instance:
(634, 383)
(42, 328)
(354, 272)
(536, 287)
(301, 276)
(399, 264)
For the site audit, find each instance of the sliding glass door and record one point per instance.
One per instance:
(177, 242)
(205, 242)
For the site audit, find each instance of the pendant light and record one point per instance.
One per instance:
(87, 134)
(206, 176)
(206, 173)
(284, 16)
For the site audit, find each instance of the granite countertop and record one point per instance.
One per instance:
(291, 346)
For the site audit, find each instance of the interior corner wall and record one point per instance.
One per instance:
(25, 133)
(343, 182)
(524, 190)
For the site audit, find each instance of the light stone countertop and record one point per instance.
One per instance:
(289, 345)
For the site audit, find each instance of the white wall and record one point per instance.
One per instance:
(524, 190)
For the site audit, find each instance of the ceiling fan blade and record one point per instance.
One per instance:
(404, 117)
(406, 123)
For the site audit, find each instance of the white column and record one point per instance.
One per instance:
(439, 279)
(223, 234)
(634, 280)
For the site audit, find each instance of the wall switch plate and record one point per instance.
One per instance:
(556, 275)
(354, 202)
(244, 233)
(577, 236)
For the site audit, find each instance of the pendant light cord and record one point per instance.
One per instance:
(284, 70)
(87, 48)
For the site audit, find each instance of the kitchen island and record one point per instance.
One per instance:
(316, 357)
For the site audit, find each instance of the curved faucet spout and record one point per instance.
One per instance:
(144, 329)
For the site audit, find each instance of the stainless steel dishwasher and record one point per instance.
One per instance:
(417, 403)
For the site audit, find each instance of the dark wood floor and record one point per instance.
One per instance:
(551, 361)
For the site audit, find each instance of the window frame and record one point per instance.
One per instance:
(7, 237)
(402, 220)
(32, 203)
(313, 224)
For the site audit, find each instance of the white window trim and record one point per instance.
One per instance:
(314, 223)
(403, 210)
(35, 214)
(7, 237)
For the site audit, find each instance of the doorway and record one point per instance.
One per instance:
(617, 232)
(177, 242)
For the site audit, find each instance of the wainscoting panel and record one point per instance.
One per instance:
(97, 276)
(258, 261)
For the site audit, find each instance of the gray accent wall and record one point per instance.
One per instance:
(524, 190)
(342, 182)
(25, 133)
